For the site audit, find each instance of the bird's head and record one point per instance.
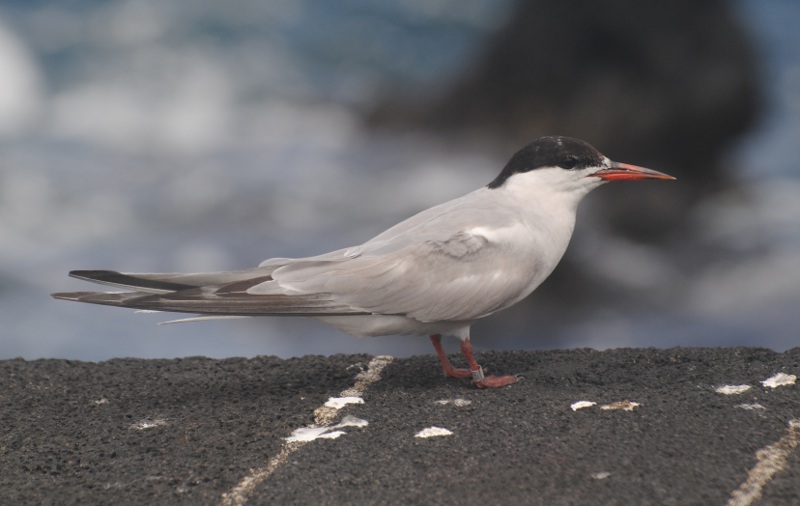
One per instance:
(566, 164)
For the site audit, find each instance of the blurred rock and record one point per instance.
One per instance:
(669, 84)
(664, 85)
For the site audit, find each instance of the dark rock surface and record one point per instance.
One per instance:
(187, 431)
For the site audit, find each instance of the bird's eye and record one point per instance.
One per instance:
(569, 162)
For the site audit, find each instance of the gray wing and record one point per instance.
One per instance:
(440, 265)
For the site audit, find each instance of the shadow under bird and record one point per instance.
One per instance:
(434, 274)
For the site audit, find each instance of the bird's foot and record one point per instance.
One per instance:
(475, 372)
(482, 381)
(452, 372)
(496, 381)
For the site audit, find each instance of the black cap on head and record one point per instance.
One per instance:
(565, 152)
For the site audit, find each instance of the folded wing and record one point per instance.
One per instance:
(445, 264)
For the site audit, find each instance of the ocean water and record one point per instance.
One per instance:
(166, 136)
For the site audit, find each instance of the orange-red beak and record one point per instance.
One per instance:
(626, 172)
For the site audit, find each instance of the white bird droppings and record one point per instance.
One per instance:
(326, 432)
(308, 433)
(581, 405)
(459, 402)
(351, 421)
(433, 432)
(600, 476)
(332, 435)
(323, 416)
(340, 402)
(732, 389)
(623, 405)
(750, 407)
(148, 423)
(780, 380)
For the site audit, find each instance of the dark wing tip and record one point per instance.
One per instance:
(94, 274)
(67, 295)
(116, 278)
(80, 296)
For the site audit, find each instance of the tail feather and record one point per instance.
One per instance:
(121, 299)
(166, 282)
(226, 299)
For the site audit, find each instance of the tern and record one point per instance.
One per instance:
(433, 274)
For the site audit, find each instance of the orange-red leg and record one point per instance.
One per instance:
(475, 371)
(447, 367)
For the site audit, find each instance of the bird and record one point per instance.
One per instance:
(434, 274)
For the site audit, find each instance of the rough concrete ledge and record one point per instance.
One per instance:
(677, 426)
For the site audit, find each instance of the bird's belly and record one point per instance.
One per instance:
(384, 325)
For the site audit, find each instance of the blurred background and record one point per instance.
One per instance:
(171, 135)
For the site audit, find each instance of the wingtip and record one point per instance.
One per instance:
(145, 282)
(76, 296)
(119, 299)
(92, 274)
